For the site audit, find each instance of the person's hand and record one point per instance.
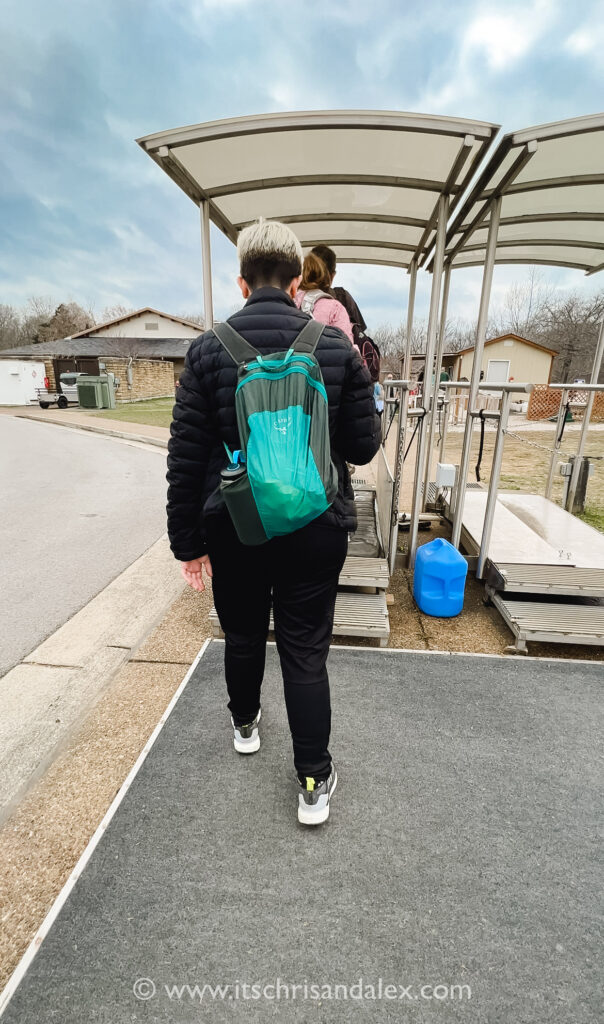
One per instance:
(193, 572)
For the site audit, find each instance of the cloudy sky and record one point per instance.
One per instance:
(86, 215)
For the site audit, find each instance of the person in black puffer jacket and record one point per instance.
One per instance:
(298, 572)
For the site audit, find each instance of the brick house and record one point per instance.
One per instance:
(145, 350)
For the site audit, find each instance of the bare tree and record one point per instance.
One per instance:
(115, 312)
(195, 318)
(38, 310)
(10, 326)
(41, 306)
(67, 319)
(570, 325)
(523, 308)
(459, 333)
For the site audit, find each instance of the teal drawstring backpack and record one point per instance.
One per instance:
(283, 477)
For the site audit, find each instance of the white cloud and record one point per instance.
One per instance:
(492, 42)
(587, 41)
(206, 17)
(503, 38)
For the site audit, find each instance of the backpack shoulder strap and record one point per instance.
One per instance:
(308, 338)
(237, 347)
(310, 299)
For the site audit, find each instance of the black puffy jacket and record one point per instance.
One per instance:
(204, 416)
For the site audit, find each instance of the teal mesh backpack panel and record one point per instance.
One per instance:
(283, 422)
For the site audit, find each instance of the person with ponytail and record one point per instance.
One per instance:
(315, 296)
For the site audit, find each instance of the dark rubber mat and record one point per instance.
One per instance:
(460, 866)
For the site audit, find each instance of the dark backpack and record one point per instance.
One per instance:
(370, 353)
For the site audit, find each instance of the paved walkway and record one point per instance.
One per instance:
(460, 855)
(75, 510)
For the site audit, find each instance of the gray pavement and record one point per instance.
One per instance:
(75, 510)
(461, 851)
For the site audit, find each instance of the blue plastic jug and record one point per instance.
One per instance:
(440, 579)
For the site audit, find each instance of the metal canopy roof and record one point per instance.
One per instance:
(367, 183)
(551, 182)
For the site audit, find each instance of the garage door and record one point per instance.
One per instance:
(498, 371)
(81, 364)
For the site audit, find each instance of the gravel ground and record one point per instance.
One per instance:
(479, 629)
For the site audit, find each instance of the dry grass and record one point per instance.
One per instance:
(156, 412)
(525, 467)
(478, 630)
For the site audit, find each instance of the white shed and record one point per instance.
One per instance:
(19, 379)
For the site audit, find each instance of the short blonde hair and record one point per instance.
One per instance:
(269, 253)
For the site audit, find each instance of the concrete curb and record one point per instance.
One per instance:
(126, 435)
(55, 686)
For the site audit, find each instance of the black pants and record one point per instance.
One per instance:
(299, 573)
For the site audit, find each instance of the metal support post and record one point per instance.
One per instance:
(489, 514)
(406, 367)
(439, 255)
(557, 442)
(444, 428)
(206, 264)
(433, 415)
(595, 373)
(417, 493)
(481, 328)
(403, 387)
(452, 389)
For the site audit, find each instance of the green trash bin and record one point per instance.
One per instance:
(89, 392)
(108, 390)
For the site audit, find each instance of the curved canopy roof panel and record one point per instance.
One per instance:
(366, 183)
(551, 180)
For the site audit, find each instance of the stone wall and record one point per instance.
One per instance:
(50, 373)
(151, 378)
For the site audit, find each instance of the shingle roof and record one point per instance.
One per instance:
(517, 337)
(143, 348)
(132, 315)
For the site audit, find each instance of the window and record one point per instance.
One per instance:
(150, 326)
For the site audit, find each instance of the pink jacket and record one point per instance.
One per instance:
(329, 311)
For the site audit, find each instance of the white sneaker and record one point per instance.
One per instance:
(313, 800)
(246, 738)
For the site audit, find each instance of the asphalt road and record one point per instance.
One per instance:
(75, 510)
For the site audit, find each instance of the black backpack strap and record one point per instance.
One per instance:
(237, 347)
(308, 338)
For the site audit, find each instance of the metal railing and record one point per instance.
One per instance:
(402, 387)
